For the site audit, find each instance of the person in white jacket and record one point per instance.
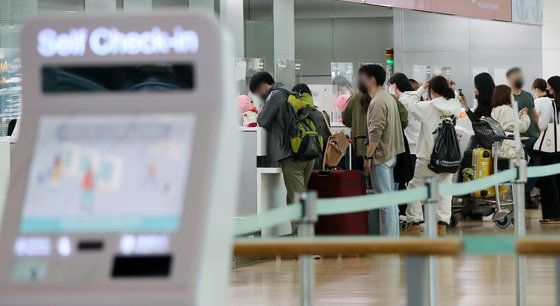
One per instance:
(550, 185)
(544, 107)
(430, 114)
(400, 86)
(502, 110)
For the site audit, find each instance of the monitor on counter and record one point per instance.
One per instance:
(120, 193)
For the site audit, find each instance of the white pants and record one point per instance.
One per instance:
(443, 206)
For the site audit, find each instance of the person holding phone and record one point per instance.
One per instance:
(483, 91)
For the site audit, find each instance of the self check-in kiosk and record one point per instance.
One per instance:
(124, 181)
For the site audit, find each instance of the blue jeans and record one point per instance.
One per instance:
(384, 221)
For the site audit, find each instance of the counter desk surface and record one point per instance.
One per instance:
(262, 188)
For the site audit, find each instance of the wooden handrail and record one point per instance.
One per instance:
(346, 246)
(538, 246)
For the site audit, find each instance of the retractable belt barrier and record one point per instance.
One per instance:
(368, 202)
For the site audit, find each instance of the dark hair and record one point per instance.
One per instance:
(261, 77)
(413, 81)
(374, 71)
(402, 82)
(554, 83)
(440, 85)
(340, 81)
(365, 100)
(539, 84)
(301, 89)
(484, 83)
(512, 71)
(501, 96)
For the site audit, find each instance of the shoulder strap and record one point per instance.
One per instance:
(326, 121)
(555, 111)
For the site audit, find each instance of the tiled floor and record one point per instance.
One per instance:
(380, 280)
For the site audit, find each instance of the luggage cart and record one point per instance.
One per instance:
(500, 206)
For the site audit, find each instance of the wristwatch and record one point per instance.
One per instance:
(369, 157)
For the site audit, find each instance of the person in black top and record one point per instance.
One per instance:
(483, 90)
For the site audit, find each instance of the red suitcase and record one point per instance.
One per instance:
(336, 184)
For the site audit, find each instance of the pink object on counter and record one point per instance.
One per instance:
(342, 102)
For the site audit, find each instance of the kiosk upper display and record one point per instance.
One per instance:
(108, 174)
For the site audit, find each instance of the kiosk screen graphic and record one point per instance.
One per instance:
(110, 173)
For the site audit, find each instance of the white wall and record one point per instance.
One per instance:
(551, 38)
(468, 45)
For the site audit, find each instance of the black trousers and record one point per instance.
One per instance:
(550, 191)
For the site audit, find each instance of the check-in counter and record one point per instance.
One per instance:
(261, 186)
(337, 126)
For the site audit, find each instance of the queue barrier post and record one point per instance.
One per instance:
(306, 228)
(422, 271)
(520, 227)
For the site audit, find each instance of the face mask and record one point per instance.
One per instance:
(392, 90)
(518, 83)
(362, 87)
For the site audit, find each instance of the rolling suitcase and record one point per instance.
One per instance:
(335, 184)
(483, 166)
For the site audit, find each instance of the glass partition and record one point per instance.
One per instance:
(288, 72)
(245, 68)
(10, 87)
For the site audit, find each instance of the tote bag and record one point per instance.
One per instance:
(547, 143)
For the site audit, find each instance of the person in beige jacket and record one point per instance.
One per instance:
(385, 143)
(503, 112)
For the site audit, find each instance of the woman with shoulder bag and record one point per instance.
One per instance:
(549, 185)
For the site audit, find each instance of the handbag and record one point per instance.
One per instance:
(337, 145)
(485, 129)
(547, 143)
(404, 168)
(507, 149)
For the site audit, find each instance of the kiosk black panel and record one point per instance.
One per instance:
(164, 77)
(142, 266)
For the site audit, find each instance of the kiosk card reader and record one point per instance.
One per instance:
(124, 179)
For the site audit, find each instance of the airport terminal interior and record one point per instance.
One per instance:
(279, 152)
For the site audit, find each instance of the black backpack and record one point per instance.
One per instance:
(446, 155)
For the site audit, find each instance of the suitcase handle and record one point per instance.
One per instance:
(325, 173)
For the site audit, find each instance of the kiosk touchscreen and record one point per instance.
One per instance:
(122, 184)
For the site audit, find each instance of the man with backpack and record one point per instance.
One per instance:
(278, 117)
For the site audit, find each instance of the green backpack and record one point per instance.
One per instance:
(306, 143)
